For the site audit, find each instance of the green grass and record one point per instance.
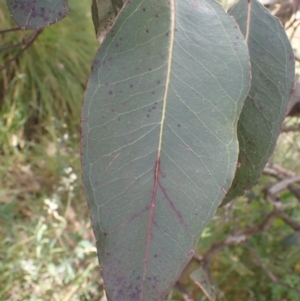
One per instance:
(46, 240)
(44, 87)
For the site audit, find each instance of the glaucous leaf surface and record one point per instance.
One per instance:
(159, 142)
(34, 14)
(273, 71)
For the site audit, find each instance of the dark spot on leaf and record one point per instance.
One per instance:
(150, 69)
(155, 256)
(156, 16)
(262, 52)
(147, 30)
(110, 92)
(119, 118)
(117, 45)
(158, 81)
(179, 125)
(153, 92)
(131, 85)
(112, 110)
(144, 9)
(148, 115)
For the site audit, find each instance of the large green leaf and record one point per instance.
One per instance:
(273, 71)
(159, 142)
(34, 14)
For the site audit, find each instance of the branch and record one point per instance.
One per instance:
(296, 58)
(9, 30)
(267, 270)
(3, 48)
(278, 187)
(294, 25)
(295, 191)
(291, 128)
(183, 291)
(261, 263)
(290, 222)
(278, 205)
(247, 233)
(280, 170)
(279, 176)
(29, 43)
(24, 41)
(242, 236)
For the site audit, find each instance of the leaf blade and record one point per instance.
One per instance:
(151, 150)
(265, 107)
(32, 14)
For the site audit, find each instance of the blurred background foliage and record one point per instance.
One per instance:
(47, 248)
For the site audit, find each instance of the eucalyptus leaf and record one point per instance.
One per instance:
(273, 71)
(159, 138)
(35, 14)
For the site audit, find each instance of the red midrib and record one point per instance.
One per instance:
(150, 223)
(156, 183)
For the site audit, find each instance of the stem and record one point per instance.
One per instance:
(28, 44)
